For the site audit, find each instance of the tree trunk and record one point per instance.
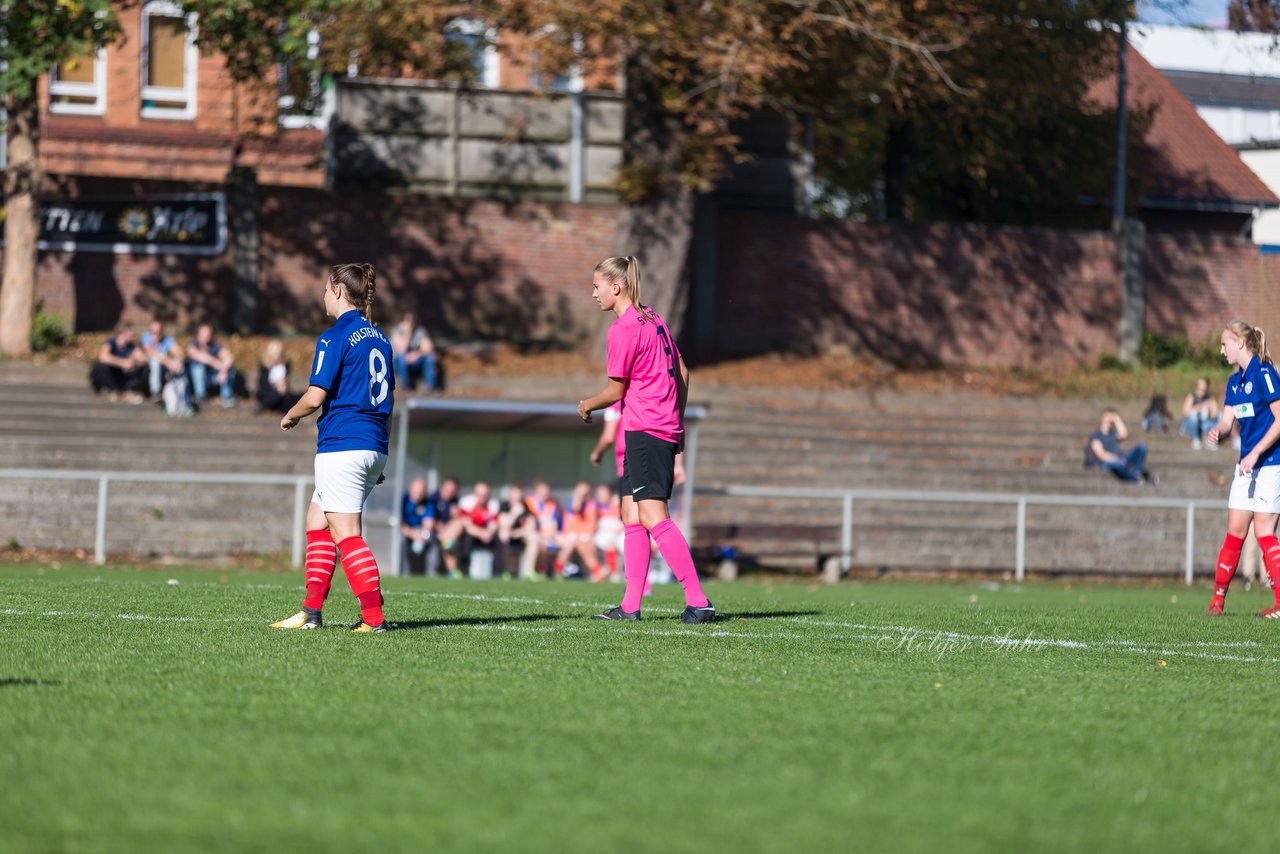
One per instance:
(895, 170)
(656, 227)
(21, 228)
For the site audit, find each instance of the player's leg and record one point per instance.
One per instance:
(344, 509)
(1266, 498)
(652, 479)
(635, 560)
(675, 551)
(320, 559)
(1239, 517)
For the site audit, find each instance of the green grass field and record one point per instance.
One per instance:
(154, 710)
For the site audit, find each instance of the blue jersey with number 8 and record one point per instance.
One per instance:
(1250, 393)
(353, 364)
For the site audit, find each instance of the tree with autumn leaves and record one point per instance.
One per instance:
(897, 88)
(36, 35)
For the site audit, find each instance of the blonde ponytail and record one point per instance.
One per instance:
(625, 270)
(1255, 340)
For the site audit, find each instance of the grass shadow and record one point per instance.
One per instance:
(472, 621)
(15, 681)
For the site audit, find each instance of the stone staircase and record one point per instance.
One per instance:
(784, 438)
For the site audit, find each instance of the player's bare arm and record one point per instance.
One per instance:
(1223, 427)
(310, 401)
(611, 394)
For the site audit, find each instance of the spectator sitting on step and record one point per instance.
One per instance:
(414, 354)
(273, 393)
(1199, 413)
(1157, 416)
(518, 534)
(546, 514)
(413, 512)
(164, 359)
(208, 360)
(579, 534)
(1104, 451)
(478, 513)
(121, 368)
(442, 530)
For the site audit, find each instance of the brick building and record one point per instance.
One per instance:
(150, 123)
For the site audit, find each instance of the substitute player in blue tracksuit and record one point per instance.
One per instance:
(352, 382)
(1253, 402)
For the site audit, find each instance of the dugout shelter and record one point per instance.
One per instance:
(502, 442)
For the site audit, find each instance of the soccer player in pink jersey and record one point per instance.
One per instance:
(646, 373)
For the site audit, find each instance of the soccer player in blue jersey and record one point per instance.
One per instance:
(1253, 402)
(352, 384)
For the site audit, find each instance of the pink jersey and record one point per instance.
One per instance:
(642, 355)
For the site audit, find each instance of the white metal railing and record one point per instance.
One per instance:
(300, 483)
(1020, 501)
(847, 497)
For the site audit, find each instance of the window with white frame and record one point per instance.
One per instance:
(305, 98)
(169, 58)
(78, 86)
(480, 43)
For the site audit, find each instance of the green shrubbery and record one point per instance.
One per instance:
(48, 330)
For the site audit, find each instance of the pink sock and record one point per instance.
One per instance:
(675, 551)
(635, 560)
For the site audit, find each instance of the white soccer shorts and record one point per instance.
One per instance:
(1258, 491)
(344, 479)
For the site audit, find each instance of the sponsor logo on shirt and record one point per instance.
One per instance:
(1244, 410)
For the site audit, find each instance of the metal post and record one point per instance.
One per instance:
(686, 491)
(100, 531)
(299, 520)
(402, 439)
(1020, 551)
(577, 147)
(846, 532)
(1191, 543)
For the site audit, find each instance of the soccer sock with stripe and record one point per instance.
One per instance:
(322, 555)
(362, 574)
(1271, 560)
(635, 562)
(1226, 569)
(675, 551)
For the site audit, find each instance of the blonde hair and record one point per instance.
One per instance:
(1255, 340)
(359, 283)
(625, 270)
(273, 353)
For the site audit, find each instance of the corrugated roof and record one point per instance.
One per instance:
(1189, 163)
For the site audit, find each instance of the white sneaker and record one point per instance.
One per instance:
(1195, 444)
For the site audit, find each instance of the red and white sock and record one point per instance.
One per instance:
(1228, 558)
(322, 555)
(362, 574)
(675, 551)
(1271, 560)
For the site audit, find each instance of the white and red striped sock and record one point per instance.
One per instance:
(361, 568)
(322, 554)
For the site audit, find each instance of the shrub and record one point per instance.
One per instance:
(47, 330)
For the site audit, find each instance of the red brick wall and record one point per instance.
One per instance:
(915, 294)
(969, 295)
(470, 268)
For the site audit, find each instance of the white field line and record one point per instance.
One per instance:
(907, 638)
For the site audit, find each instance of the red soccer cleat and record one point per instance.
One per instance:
(1272, 613)
(1215, 608)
